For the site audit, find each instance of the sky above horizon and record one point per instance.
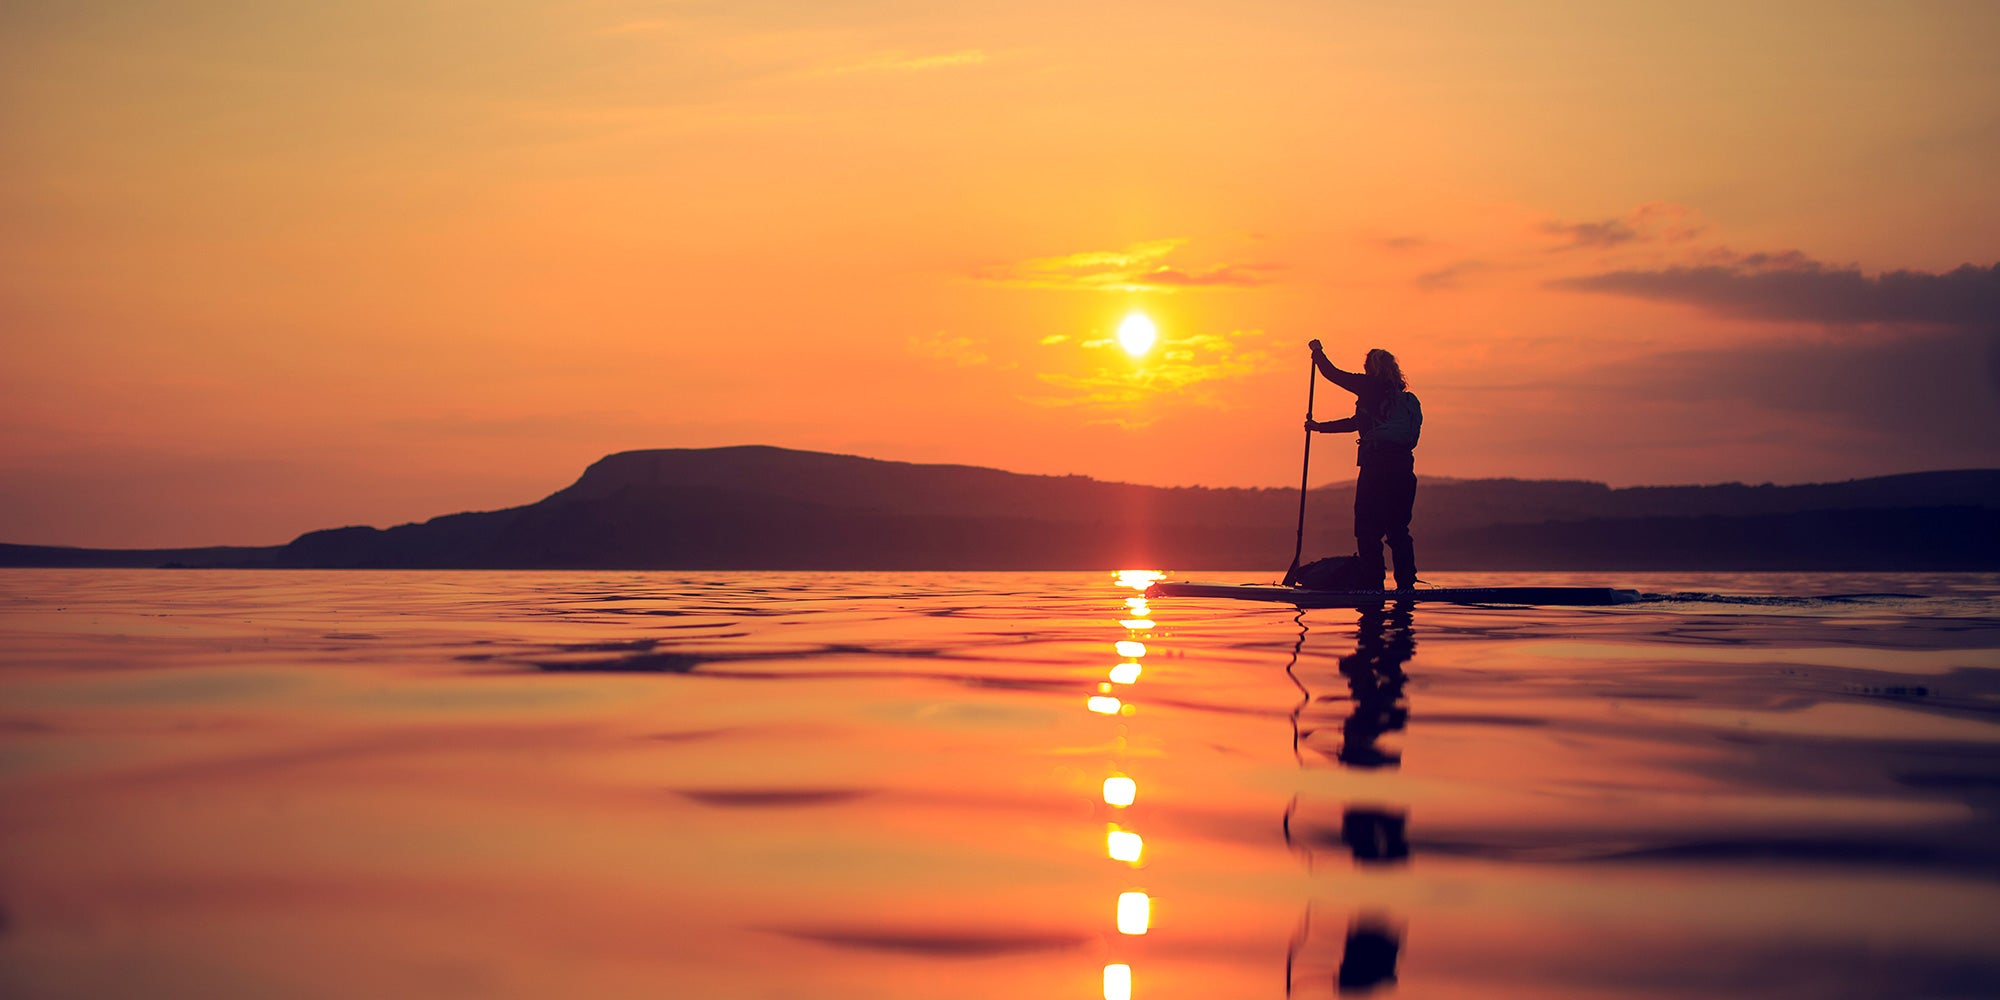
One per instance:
(270, 268)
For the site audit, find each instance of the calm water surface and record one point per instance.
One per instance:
(873, 786)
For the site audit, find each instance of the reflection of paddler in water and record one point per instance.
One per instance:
(1374, 836)
(1368, 952)
(1388, 420)
(1384, 641)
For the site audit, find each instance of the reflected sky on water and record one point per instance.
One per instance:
(990, 785)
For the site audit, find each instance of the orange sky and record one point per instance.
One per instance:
(266, 269)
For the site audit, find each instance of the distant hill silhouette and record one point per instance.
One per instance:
(758, 507)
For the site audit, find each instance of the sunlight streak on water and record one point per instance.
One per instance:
(1117, 982)
(1123, 845)
(1120, 790)
(1135, 912)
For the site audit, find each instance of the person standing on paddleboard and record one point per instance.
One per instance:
(1388, 419)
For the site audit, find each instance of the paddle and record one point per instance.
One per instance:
(1312, 382)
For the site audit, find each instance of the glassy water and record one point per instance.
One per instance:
(988, 785)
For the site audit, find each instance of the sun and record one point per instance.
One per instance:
(1137, 334)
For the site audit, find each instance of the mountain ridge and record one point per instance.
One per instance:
(764, 507)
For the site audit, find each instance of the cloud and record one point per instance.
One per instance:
(1923, 398)
(1403, 243)
(1653, 222)
(1190, 369)
(964, 352)
(1226, 275)
(1648, 232)
(1907, 362)
(1793, 287)
(1140, 267)
(1608, 233)
(903, 62)
(1451, 275)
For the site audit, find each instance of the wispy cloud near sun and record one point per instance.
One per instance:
(959, 351)
(1141, 267)
(1195, 370)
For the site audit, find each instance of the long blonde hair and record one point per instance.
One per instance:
(1382, 365)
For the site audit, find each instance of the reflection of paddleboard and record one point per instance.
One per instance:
(1579, 596)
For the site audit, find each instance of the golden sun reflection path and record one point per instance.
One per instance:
(1123, 841)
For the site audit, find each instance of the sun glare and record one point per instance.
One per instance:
(1136, 334)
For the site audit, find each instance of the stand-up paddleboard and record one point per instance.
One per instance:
(1570, 596)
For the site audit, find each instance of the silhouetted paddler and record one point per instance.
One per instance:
(1388, 419)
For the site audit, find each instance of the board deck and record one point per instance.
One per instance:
(1570, 596)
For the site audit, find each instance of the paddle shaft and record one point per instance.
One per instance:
(1305, 469)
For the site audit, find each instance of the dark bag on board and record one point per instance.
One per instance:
(1335, 573)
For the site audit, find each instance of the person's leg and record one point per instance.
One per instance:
(1370, 523)
(1369, 549)
(1401, 547)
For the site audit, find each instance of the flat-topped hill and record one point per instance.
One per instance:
(757, 507)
